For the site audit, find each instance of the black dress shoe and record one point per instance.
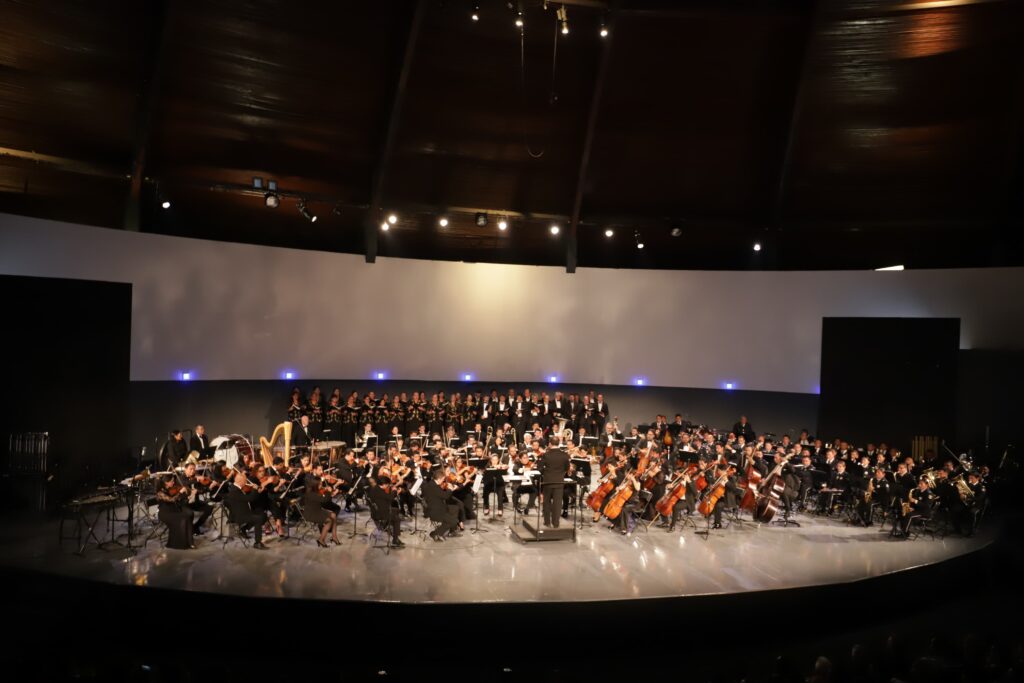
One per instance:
(259, 546)
(436, 537)
(322, 544)
(397, 544)
(335, 541)
(244, 533)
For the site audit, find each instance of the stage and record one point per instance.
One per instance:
(492, 567)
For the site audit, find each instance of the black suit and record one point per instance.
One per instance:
(201, 444)
(240, 505)
(438, 508)
(300, 437)
(744, 430)
(384, 513)
(175, 452)
(554, 465)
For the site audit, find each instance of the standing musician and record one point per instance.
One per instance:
(200, 443)
(384, 506)
(200, 508)
(297, 408)
(171, 498)
(744, 429)
(314, 509)
(601, 413)
(554, 465)
(332, 419)
(303, 437)
(240, 505)
(351, 416)
(176, 449)
(315, 411)
(439, 509)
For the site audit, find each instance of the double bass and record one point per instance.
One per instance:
(771, 493)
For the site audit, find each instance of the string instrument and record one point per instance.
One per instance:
(667, 439)
(750, 483)
(711, 498)
(675, 492)
(619, 499)
(771, 494)
(649, 480)
(604, 486)
(466, 474)
(645, 460)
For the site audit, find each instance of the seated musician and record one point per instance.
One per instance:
(790, 479)
(240, 505)
(572, 491)
(838, 489)
(330, 483)
(522, 469)
(904, 481)
(314, 509)
(171, 499)
(975, 505)
(631, 507)
(727, 501)
(880, 494)
(268, 496)
(494, 484)
(384, 508)
(921, 502)
(439, 507)
(200, 508)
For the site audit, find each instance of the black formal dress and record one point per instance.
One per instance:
(554, 465)
(177, 517)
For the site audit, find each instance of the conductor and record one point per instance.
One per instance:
(554, 465)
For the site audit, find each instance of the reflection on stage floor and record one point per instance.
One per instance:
(600, 564)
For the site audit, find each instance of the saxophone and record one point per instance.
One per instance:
(906, 504)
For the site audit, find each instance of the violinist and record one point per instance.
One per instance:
(240, 499)
(330, 485)
(171, 498)
(315, 500)
(579, 482)
(439, 507)
(200, 508)
(269, 483)
(494, 484)
(384, 508)
(522, 468)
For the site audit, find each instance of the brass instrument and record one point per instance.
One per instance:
(515, 439)
(869, 491)
(267, 447)
(907, 503)
(931, 476)
(561, 425)
(566, 436)
(963, 489)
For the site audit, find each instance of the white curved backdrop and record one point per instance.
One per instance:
(233, 311)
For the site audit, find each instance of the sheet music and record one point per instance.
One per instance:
(478, 482)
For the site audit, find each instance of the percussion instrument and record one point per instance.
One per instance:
(230, 448)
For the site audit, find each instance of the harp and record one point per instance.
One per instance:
(281, 431)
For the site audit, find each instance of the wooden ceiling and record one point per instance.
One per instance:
(836, 133)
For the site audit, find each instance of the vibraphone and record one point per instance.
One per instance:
(86, 511)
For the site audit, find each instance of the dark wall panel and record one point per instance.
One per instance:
(888, 379)
(253, 407)
(67, 372)
(989, 404)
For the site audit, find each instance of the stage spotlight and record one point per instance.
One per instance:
(889, 268)
(475, 16)
(468, 377)
(563, 16)
(380, 375)
(392, 218)
(555, 229)
(609, 232)
(481, 219)
(640, 381)
(676, 232)
(289, 375)
(384, 226)
(165, 204)
(443, 222)
(306, 213)
(272, 200)
(186, 376)
(502, 224)
(553, 378)
(637, 238)
(757, 246)
(604, 32)
(729, 385)
(519, 19)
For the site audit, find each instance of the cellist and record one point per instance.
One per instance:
(729, 499)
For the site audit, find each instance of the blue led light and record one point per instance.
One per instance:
(186, 376)
(468, 377)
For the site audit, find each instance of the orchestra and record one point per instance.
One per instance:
(444, 456)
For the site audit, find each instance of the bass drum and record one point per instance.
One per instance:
(231, 448)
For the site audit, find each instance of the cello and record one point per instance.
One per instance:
(675, 491)
(621, 496)
(604, 486)
(715, 493)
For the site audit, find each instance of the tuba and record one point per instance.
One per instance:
(283, 430)
(561, 426)
(962, 488)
